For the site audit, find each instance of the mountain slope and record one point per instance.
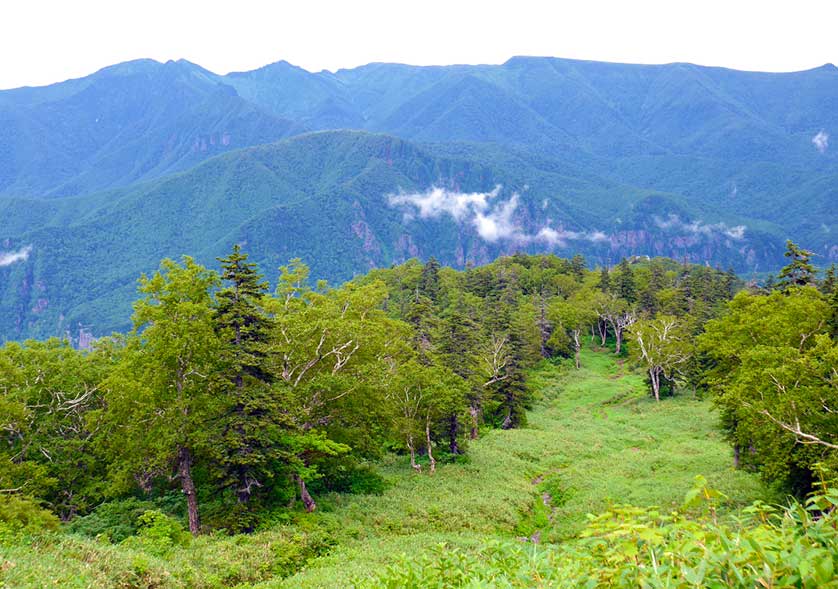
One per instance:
(102, 176)
(143, 119)
(345, 202)
(125, 123)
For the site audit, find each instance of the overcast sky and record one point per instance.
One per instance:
(48, 41)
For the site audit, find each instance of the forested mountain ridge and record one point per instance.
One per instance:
(705, 164)
(348, 201)
(181, 113)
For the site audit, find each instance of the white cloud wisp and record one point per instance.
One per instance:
(821, 141)
(493, 220)
(673, 221)
(9, 258)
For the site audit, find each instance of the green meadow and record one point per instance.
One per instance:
(593, 439)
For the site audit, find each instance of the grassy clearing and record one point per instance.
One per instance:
(595, 438)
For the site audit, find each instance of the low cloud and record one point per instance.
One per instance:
(561, 236)
(498, 223)
(492, 218)
(821, 141)
(698, 228)
(9, 258)
(436, 202)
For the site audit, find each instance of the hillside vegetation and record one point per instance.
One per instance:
(593, 440)
(102, 176)
(528, 423)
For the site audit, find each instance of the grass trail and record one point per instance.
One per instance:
(594, 438)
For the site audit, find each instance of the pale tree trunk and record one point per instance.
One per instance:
(603, 331)
(308, 501)
(654, 376)
(428, 442)
(184, 469)
(475, 412)
(412, 448)
(578, 346)
(618, 333)
(543, 326)
(507, 421)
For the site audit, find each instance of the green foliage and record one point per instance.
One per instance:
(21, 515)
(158, 533)
(625, 286)
(773, 377)
(253, 422)
(356, 479)
(593, 434)
(662, 347)
(417, 359)
(799, 271)
(330, 192)
(114, 520)
(632, 546)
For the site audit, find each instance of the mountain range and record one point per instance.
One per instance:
(102, 176)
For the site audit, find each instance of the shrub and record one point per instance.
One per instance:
(22, 515)
(158, 533)
(115, 520)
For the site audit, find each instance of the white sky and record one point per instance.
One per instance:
(45, 41)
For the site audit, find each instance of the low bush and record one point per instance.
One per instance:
(22, 515)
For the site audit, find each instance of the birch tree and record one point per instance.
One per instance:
(774, 376)
(160, 398)
(661, 346)
(574, 315)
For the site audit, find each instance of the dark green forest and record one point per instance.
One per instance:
(226, 439)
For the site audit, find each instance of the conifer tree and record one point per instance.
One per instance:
(648, 298)
(799, 271)
(830, 280)
(251, 426)
(625, 284)
(604, 283)
(577, 266)
(429, 280)
(457, 337)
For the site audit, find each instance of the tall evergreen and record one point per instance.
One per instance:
(429, 280)
(833, 318)
(604, 283)
(625, 285)
(250, 427)
(577, 266)
(830, 280)
(510, 392)
(648, 298)
(799, 271)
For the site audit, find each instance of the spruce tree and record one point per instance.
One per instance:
(251, 427)
(604, 283)
(626, 287)
(799, 271)
(457, 337)
(648, 298)
(577, 266)
(830, 280)
(429, 280)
